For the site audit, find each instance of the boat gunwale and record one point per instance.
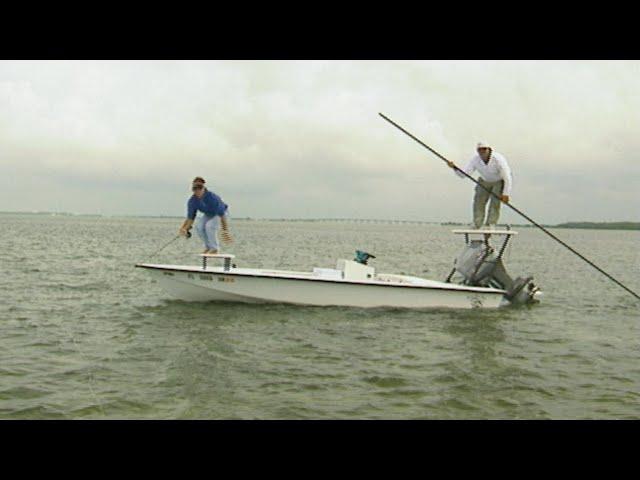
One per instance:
(198, 270)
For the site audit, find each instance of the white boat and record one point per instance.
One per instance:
(478, 280)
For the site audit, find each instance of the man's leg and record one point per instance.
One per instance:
(494, 203)
(211, 228)
(479, 204)
(201, 231)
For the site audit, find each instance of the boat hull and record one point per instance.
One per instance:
(214, 284)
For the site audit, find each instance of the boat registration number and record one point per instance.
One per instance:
(476, 301)
(226, 279)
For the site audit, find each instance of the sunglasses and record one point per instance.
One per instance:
(196, 187)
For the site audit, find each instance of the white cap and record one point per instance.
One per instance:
(483, 145)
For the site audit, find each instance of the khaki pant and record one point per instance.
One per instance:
(480, 202)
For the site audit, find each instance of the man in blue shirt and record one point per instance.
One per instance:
(215, 214)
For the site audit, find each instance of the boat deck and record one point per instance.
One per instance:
(382, 279)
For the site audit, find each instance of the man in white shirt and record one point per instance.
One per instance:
(495, 175)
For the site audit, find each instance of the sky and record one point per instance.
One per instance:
(303, 139)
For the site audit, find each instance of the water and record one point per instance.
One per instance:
(83, 334)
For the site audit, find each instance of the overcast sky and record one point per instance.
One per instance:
(303, 139)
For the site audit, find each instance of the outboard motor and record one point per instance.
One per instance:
(480, 265)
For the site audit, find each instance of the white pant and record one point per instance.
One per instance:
(207, 228)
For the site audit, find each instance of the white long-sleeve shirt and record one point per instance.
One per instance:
(496, 169)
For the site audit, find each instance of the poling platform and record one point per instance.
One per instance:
(484, 231)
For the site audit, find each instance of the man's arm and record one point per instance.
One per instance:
(226, 236)
(507, 177)
(186, 226)
(468, 169)
(191, 216)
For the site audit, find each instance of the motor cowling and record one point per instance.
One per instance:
(475, 263)
(479, 265)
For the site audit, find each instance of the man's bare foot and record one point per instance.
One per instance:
(206, 250)
(213, 251)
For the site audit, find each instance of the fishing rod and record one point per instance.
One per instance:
(508, 204)
(188, 234)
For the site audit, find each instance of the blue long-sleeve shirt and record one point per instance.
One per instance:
(210, 204)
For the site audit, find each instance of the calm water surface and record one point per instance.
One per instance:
(83, 334)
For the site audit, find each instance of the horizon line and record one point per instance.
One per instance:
(52, 213)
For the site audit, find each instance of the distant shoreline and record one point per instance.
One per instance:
(574, 225)
(571, 225)
(601, 225)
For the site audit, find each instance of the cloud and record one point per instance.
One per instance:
(303, 138)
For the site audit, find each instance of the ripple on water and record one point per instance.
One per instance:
(18, 393)
(386, 382)
(36, 412)
(86, 335)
